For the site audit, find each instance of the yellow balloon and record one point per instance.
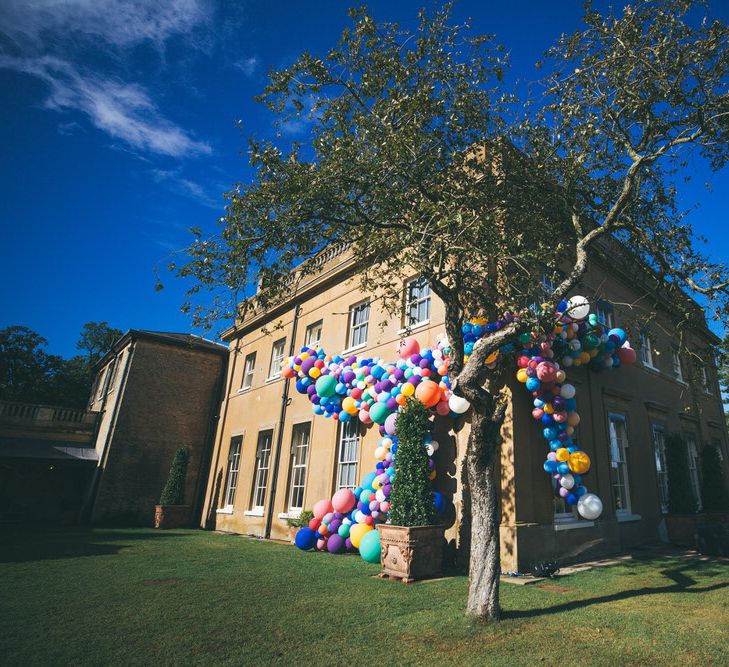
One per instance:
(521, 375)
(407, 389)
(315, 372)
(562, 454)
(348, 405)
(492, 357)
(573, 419)
(357, 531)
(548, 408)
(579, 463)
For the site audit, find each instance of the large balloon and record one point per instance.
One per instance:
(578, 308)
(322, 507)
(357, 532)
(408, 347)
(458, 404)
(343, 501)
(589, 506)
(305, 539)
(369, 546)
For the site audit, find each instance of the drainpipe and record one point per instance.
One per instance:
(91, 500)
(285, 400)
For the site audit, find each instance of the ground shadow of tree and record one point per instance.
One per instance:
(682, 583)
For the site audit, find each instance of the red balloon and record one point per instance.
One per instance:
(626, 355)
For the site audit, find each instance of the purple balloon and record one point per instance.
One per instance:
(335, 544)
(348, 544)
(307, 365)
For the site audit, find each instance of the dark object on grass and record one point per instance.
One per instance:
(546, 568)
(712, 539)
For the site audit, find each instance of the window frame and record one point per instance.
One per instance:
(296, 465)
(659, 457)
(359, 326)
(421, 299)
(307, 334)
(677, 365)
(346, 433)
(233, 472)
(692, 454)
(259, 487)
(248, 373)
(605, 307)
(274, 365)
(619, 469)
(646, 350)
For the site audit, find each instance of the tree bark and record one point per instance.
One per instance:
(485, 559)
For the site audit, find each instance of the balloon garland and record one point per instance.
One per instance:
(371, 391)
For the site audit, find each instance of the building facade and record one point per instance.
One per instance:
(155, 392)
(274, 458)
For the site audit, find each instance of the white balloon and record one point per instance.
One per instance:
(589, 506)
(578, 307)
(429, 449)
(567, 391)
(458, 404)
(567, 481)
(434, 444)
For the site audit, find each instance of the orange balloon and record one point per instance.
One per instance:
(428, 393)
(579, 462)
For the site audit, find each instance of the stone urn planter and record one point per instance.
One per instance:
(172, 516)
(410, 553)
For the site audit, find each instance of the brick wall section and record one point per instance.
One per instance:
(169, 399)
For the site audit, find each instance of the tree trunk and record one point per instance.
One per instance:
(485, 559)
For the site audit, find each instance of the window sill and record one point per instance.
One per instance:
(224, 510)
(649, 367)
(413, 327)
(254, 512)
(349, 350)
(291, 514)
(627, 517)
(243, 390)
(572, 525)
(272, 379)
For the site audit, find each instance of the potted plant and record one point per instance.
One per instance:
(713, 530)
(294, 523)
(411, 545)
(171, 511)
(682, 506)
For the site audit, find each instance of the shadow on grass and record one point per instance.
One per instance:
(20, 545)
(682, 583)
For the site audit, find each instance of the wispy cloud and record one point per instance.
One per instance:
(47, 38)
(125, 111)
(249, 66)
(186, 187)
(119, 23)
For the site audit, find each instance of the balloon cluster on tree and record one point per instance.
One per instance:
(577, 339)
(371, 391)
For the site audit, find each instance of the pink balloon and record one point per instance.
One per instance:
(390, 424)
(408, 347)
(364, 417)
(343, 501)
(322, 507)
(442, 408)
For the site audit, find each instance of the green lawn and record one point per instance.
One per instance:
(163, 598)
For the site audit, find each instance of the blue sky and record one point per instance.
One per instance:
(118, 134)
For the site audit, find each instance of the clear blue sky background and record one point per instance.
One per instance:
(117, 134)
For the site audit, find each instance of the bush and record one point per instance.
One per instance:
(681, 498)
(174, 491)
(301, 520)
(412, 497)
(713, 487)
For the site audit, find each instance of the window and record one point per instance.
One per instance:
(231, 481)
(693, 467)
(313, 334)
(277, 357)
(260, 472)
(704, 379)
(297, 473)
(348, 454)
(646, 350)
(677, 368)
(111, 375)
(103, 376)
(417, 304)
(618, 434)
(659, 450)
(548, 285)
(605, 314)
(359, 317)
(249, 367)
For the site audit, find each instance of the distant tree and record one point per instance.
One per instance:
(96, 339)
(723, 375)
(420, 160)
(26, 369)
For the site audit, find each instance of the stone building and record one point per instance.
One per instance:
(155, 391)
(273, 458)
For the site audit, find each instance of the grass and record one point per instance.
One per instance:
(190, 597)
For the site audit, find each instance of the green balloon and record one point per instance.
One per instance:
(326, 386)
(369, 546)
(379, 412)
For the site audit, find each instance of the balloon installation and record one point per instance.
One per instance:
(371, 391)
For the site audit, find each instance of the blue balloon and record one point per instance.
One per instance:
(305, 539)
(563, 468)
(367, 481)
(549, 433)
(533, 384)
(439, 502)
(550, 466)
(571, 499)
